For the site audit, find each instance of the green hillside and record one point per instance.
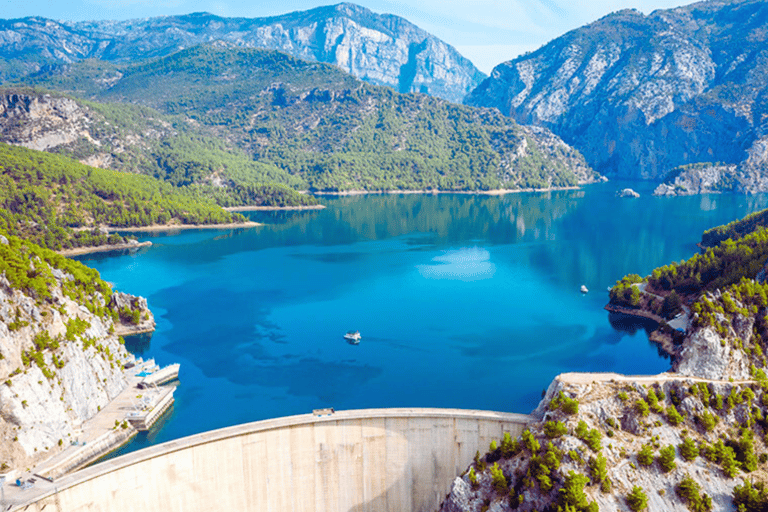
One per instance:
(45, 198)
(324, 128)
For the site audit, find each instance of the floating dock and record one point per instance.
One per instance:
(148, 412)
(160, 377)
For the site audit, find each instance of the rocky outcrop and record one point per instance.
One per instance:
(60, 363)
(53, 122)
(640, 95)
(133, 314)
(627, 192)
(379, 48)
(609, 425)
(699, 179)
(41, 121)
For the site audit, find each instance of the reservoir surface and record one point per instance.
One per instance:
(463, 301)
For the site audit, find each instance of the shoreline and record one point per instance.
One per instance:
(272, 208)
(494, 192)
(638, 313)
(175, 227)
(79, 251)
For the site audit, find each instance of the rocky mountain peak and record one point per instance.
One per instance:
(380, 48)
(641, 95)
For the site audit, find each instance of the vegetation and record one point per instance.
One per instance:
(637, 500)
(624, 293)
(564, 403)
(498, 480)
(673, 417)
(688, 449)
(553, 429)
(44, 197)
(690, 492)
(592, 437)
(735, 230)
(572, 496)
(750, 497)
(645, 455)
(667, 458)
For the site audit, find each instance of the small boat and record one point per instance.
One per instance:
(353, 337)
(584, 289)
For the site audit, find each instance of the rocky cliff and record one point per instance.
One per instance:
(61, 359)
(675, 441)
(379, 48)
(640, 95)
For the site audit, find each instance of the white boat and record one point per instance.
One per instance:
(353, 337)
(584, 289)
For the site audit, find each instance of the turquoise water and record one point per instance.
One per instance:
(463, 301)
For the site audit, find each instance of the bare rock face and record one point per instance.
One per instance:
(60, 364)
(641, 95)
(705, 355)
(378, 48)
(41, 122)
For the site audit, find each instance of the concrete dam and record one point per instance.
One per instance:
(365, 460)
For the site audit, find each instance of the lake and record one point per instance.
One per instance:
(462, 301)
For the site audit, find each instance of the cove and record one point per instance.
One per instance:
(463, 301)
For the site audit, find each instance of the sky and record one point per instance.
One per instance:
(487, 32)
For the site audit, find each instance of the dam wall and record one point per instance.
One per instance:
(365, 460)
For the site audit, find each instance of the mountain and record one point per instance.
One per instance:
(141, 140)
(641, 95)
(315, 124)
(379, 48)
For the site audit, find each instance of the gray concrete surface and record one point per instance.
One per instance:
(365, 460)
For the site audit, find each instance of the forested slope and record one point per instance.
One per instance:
(43, 197)
(328, 130)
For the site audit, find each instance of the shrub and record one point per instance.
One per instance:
(473, 478)
(553, 456)
(645, 455)
(653, 400)
(572, 496)
(598, 468)
(623, 396)
(641, 406)
(728, 462)
(479, 462)
(530, 442)
(566, 404)
(750, 497)
(707, 420)
(592, 437)
(688, 449)
(509, 447)
(688, 490)
(673, 417)
(637, 500)
(553, 429)
(667, 459)
(498, 479)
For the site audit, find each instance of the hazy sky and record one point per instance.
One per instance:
(485, 31)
